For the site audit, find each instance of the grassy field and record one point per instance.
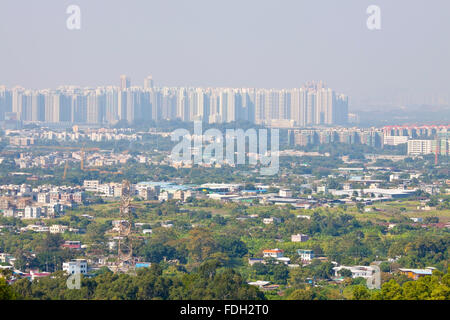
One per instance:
(390, 210)
(385, 211)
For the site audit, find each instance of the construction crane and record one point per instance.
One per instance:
(66, 166)
(111, 172)
(82, 162)
(125, 260)
(64, 148)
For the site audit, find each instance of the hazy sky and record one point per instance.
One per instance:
(238, 43)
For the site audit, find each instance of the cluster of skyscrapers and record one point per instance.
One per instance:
(313, 104)
(369, 136)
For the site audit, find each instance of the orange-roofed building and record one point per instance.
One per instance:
(273, 253)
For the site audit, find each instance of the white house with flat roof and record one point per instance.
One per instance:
(306, 255)
(299, 237)
(76, 266)
(357, 271)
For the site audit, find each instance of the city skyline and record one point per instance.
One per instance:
(312, 104)
(243, 44)
(208, 152)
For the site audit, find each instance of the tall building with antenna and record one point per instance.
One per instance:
(148, 83)
(124, 82)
